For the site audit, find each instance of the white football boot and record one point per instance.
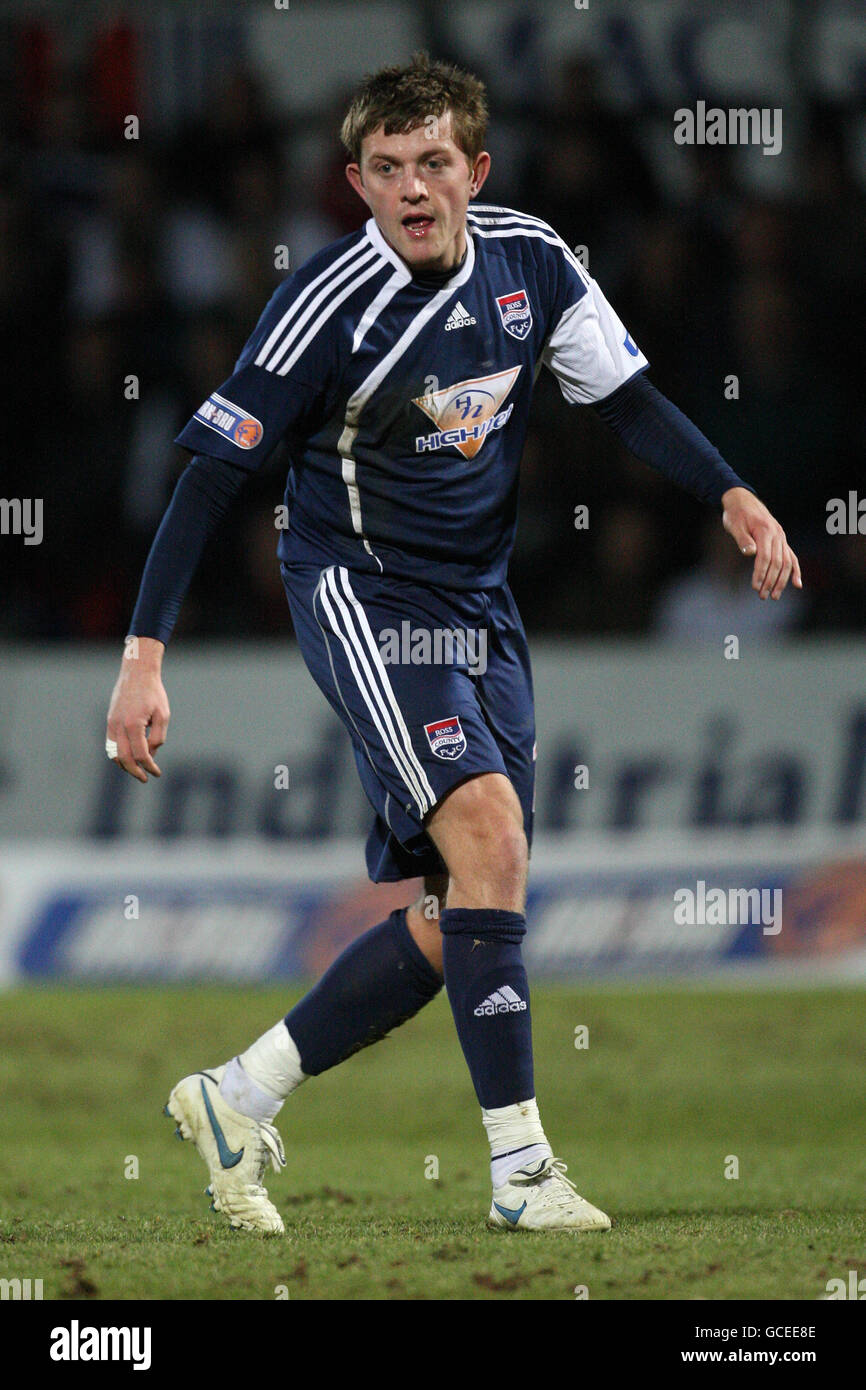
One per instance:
(235, 1148)
(541, 1198)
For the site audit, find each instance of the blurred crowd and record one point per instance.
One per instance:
(132, 271)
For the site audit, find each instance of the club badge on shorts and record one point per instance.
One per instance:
(515, 313)
(446, 738)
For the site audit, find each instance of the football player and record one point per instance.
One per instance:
(398, 366)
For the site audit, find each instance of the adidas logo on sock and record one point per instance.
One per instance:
(459, 317)
(504, 1000)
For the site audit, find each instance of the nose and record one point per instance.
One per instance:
(414, 188)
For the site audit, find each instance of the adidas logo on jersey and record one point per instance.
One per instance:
(504, 1000)
(459, 317)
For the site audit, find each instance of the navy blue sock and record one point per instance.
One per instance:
(489, 996)
(377, 983)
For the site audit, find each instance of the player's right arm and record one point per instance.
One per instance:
(277, 382)
(139, 712)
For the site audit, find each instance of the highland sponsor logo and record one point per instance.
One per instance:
(465, 434)
(715, 907)
(466, 412)
(434, 646)
(230, 421)
(77, 1343)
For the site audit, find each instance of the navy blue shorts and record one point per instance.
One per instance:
(433, 686)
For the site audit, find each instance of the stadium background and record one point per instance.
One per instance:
(218, 891)
(148, 259)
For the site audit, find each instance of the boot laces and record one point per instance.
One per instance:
(554, 1171)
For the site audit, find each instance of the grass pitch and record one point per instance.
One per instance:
(675, 1089)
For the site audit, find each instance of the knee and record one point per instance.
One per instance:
(481, 837)
(506, 853)
(492, 832)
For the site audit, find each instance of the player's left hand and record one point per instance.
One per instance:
(758, 533)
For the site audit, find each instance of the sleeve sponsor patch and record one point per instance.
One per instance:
(230, 420)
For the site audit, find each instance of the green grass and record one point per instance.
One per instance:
(670, 1085)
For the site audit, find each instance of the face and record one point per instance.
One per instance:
(418, 187)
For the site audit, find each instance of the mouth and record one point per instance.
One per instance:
(418, 224)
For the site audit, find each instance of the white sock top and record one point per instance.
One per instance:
(274, 1063)
(516, 1137)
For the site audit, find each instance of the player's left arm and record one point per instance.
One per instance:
(758, 533)
(597, 363)
(660, 435)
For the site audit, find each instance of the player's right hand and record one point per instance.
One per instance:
(138, 714)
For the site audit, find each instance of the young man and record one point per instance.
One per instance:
(398, 365)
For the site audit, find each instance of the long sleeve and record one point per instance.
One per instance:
(204, 493)
(660, 435)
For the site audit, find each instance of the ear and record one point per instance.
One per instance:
(480, 170)
(353, 174)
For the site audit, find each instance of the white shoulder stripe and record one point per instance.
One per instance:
(491, 224)
(331, 308)
(490, 210)
(360, 249)
(552, 240)
(300, 319)
(487, 213)
(508, 217)
(280, 328)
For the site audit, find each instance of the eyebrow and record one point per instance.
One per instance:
(393, 159)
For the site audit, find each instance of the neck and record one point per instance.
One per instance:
(437, 274)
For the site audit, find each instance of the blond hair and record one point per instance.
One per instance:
(403, 98)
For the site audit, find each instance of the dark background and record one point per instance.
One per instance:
(155, 256)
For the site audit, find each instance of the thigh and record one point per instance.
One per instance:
(504, 692)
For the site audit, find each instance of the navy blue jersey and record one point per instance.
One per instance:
(404, 405)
